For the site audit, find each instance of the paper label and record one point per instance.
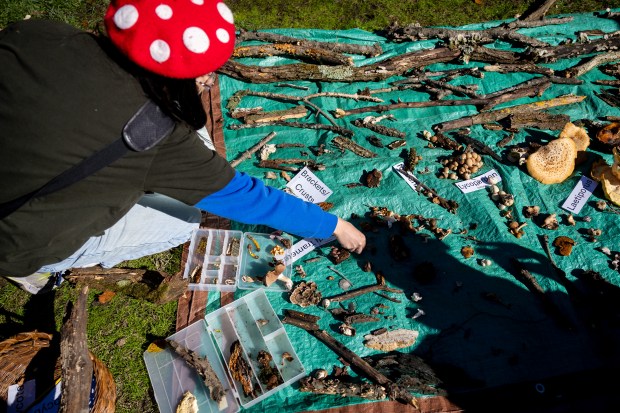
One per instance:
(479, 182)
(50, 403)
(309, 187)
(303, 247)
(406, 175)
(580, 194)
(20, 397)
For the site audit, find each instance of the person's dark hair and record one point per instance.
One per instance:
(178, 98)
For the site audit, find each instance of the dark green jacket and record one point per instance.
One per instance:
(62, 97)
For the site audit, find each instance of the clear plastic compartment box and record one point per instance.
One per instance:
(248, 324)
(224, 260)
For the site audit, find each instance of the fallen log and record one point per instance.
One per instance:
(76, 365)
(152, 286)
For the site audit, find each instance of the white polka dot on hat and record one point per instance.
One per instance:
(173, 38)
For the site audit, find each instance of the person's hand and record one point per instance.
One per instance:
(349, 237)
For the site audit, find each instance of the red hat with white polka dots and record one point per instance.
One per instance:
(174, 38)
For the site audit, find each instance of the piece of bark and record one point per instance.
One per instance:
(76, 365)
(204, 369)
(346, 143)
(241, 371)
(392, 340)
(153, 286)
(375, 72)
(539, 120)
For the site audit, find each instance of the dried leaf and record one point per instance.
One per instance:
(105, 297)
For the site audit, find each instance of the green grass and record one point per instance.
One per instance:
(120, 331)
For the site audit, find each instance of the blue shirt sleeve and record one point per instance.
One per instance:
(248, 200)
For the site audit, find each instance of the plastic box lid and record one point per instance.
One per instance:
(248, 324)
(224, 260)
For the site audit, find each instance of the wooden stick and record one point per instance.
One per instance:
(77, 367)
(363, 290)
(320, 126)
(591, 63)
(537, 10)
(308, 54)
(350, 48)
(247, 154)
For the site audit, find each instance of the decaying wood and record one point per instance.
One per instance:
(496, 115)
(394, 392)
(522, 275)
(528, 88)
(342, 388)
(295, 112)
(568, 50)
(590, 64)
(360, 318)
(350, 48)
(540, 120)
(523, 68)
(611, 99)
(76, 365)
(318, 126)
(241, 371)
(345, 143)
(381, 129)
(379, 286)
(280, 164)
(247, 154)
(378, 71)
(455, 37)
(203, 368)
(391, 340)
(305, 53)
(153, 286)
(409, 371)
(537, 10)
(607, 82)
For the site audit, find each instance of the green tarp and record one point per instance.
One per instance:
(494, 343)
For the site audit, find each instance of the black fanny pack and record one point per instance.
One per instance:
(144, 130)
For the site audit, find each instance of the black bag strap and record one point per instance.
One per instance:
(143, 131)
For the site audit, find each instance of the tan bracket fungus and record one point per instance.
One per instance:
(554, 162)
